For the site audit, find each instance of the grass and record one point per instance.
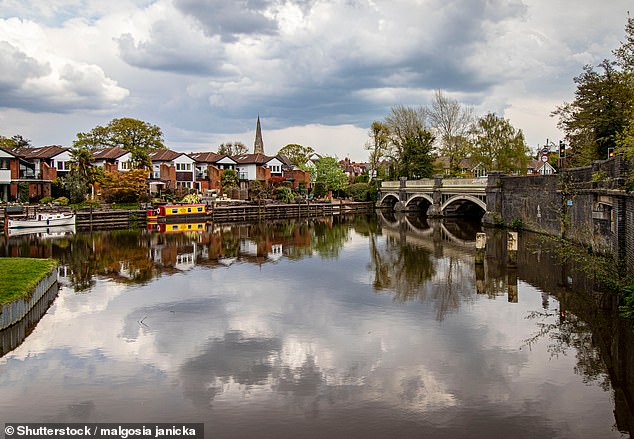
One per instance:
(20, 276)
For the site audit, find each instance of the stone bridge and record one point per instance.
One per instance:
(591, 205)
(437, 197)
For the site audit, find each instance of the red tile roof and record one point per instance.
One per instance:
(109, 153)
(43, 152)
(164, 155)
(258, 159)
(207, 157)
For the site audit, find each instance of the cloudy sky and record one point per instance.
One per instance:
(318, 72)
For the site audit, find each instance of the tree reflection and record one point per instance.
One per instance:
(416, 261)
(139, 256)
(568, 332)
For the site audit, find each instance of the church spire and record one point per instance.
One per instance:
(258, 147)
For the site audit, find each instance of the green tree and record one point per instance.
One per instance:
(377, 145)
(452, 122)
(76, 187)
(499, 146)
(329, 174)
(593, 122)
(16, 141)
(416, 160)
(228, 179)
(136, 136)
(233, 148)
(625, 59)
(83, 174)
(409, 149)
(299, 155)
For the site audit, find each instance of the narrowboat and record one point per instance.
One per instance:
(178, 213)
(181, 227)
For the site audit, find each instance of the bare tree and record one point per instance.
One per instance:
(452, 122)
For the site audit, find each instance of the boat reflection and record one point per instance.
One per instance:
(43, 232)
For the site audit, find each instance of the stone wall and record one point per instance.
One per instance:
(587, 205)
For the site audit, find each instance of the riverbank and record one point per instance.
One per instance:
(20, 276)
(115, 219)
(23, 283)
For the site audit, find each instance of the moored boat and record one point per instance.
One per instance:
(181, 227)
(42, 220)
(178, 213)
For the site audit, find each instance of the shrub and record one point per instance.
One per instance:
(284, 194)
(319, 190)
(46, 200)
(62, 201)
(191, 199)
(358, 192)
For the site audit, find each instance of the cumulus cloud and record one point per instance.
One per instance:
(209, 66)
(34, 78)
(231, 19)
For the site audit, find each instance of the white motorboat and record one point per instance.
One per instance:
(42, 220)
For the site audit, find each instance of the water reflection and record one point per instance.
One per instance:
(366, 326)
(137, 256)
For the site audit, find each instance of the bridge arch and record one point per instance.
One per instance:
(422, 201)
(460, 200)
(389, 200)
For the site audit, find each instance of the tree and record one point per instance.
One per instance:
(403, 123)
(625, 59)
(499, 146)
(598, 114)
(625, 53)
(416, 160)
(228, 179)
(299, 155)
(84, 175)
(125, 187)
(452, 122)
(409, 142)
(233, 148)
(136, 136)
(16, 141)
(329, 174)
(378, 145)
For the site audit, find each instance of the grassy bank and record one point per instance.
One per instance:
(19, 276)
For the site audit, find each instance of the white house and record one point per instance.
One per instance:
(247, 165)
(113, 156)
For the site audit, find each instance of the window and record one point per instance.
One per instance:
(66, 166)
(5, 164)
(60, 166)
(183, 166)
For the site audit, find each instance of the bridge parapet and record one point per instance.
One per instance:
(438, 193)
(425, 183)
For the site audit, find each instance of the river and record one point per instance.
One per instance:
(357, 327)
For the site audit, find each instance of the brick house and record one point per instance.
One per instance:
(172, 170)
(209, 168)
